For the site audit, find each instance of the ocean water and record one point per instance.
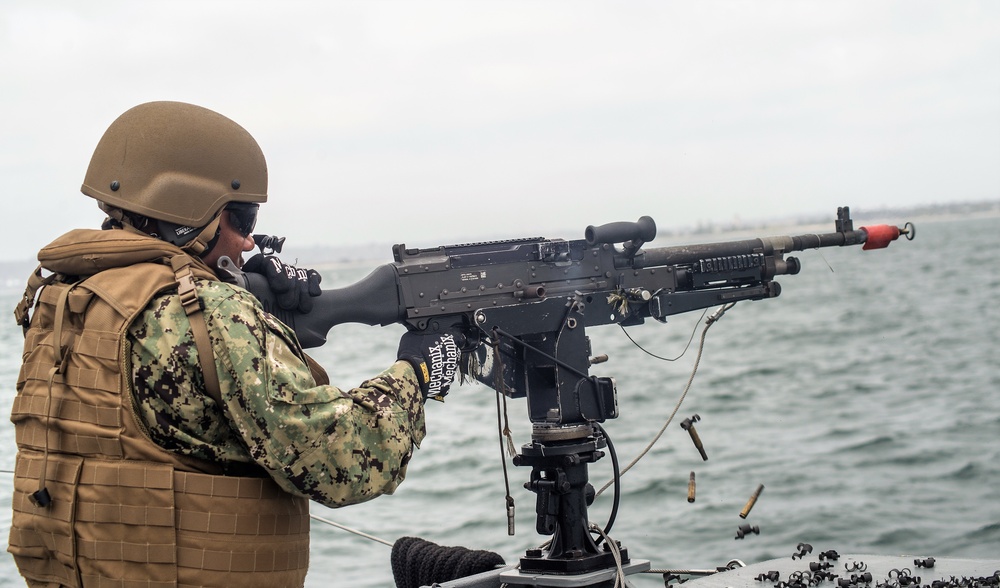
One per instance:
(865, 399)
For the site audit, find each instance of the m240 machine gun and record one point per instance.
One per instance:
(530, 301)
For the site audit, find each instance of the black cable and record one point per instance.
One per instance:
(651, 354)
(618, 482)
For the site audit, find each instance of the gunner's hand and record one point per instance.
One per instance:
(434, 357)
(293, 287)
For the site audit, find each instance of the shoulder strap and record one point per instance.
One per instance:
(318, 373)
(23, 308)
(181, 265)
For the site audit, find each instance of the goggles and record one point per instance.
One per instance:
(243, 216)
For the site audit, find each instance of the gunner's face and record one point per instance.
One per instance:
(232, 243)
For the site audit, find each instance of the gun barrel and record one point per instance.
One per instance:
(687, 254)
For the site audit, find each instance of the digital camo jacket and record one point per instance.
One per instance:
(335, 446)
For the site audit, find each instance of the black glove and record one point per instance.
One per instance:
(293, 288)
(434, 357)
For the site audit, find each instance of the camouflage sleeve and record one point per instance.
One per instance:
(334, 446)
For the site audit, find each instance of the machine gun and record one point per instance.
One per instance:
(530, 302)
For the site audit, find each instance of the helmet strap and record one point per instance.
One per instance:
(198, 246)
(118, 219)
(206, 239)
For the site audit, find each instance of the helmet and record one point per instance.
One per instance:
(177, 163)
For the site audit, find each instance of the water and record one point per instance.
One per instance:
(865, 399)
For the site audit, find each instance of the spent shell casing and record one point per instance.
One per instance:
(752, 501)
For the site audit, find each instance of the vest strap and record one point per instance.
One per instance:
(192, 307)
(35, 281)
(41, 497)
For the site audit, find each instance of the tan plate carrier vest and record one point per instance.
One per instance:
(123, 511)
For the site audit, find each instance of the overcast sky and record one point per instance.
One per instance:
(435, 122)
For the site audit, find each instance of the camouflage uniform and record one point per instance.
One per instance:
(334, 446)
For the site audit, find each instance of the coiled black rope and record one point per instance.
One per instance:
(417, 562)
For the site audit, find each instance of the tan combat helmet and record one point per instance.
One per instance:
(176, 163)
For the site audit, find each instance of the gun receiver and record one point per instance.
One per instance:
(529, 302)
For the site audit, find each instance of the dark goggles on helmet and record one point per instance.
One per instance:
(243, 216)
